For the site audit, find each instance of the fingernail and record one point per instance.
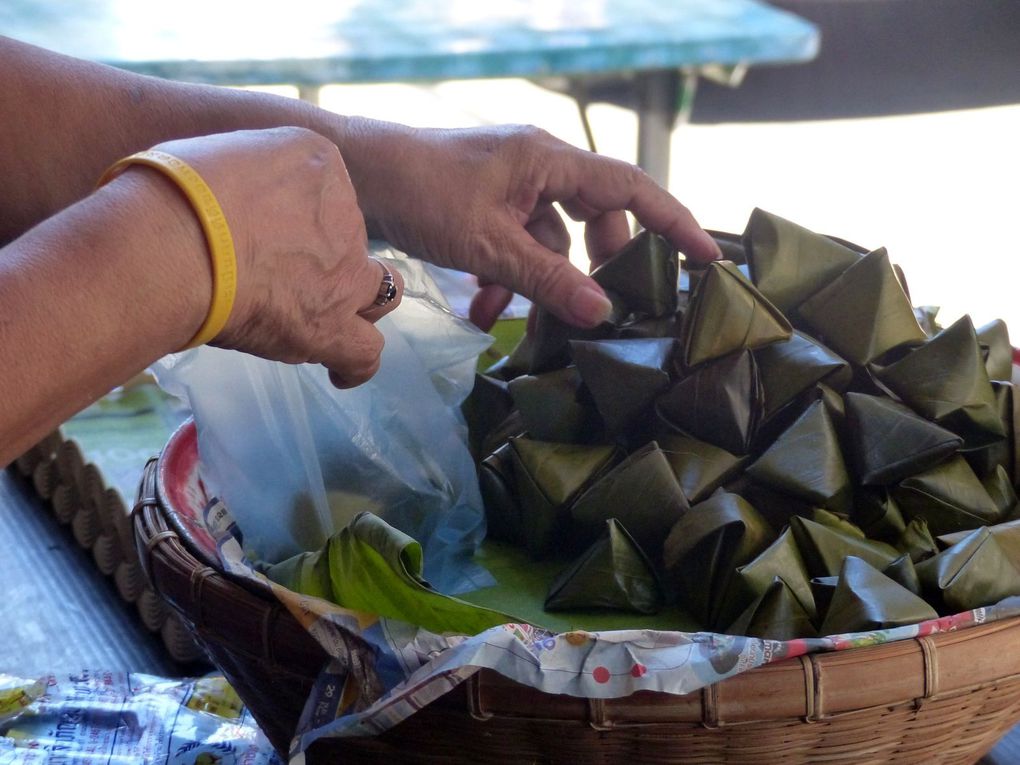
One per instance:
(589, 306)
(712, 245)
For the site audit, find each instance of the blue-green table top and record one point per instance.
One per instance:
(312, 42)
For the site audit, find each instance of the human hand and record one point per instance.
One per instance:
(306, 288)
(481, 200)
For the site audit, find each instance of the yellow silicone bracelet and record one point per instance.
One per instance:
(214, 225)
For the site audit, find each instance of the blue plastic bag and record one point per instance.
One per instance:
(294, 459)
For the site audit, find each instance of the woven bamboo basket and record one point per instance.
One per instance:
(945, 698)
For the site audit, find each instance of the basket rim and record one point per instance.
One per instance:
(813, 687)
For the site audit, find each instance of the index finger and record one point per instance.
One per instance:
(589, 185)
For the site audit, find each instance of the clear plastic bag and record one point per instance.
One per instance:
(295, 459)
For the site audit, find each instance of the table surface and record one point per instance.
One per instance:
(311, 42)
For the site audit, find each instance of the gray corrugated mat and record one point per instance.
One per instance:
(58, 612)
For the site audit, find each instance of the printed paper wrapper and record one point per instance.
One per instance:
(115, 717)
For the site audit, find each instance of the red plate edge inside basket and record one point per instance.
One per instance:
(180, 487)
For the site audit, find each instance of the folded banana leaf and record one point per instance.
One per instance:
(727, 314)
(780, 559)
(889, 442)
(948, 496)
(1006, 534)
(823, 548)
(548, 346)
(662, 326)
(788, 369)
(788, 262)
(553, 407)
(775, 506)
(917, 541)
(822, 589)
(998, 351)
(903, 571)
(770, 429)
(643, 275)
(836, 522)
(776, 615)
(719, 402)
(612, 573)
(645, 473)
(866, 599)
(522, 584)
(487, 405)
(806, 461)
(370, 566)
(864, 312)
(923, 445)
(699, 467)
(1001, 490)
(624, 376)
(498, 485)
(878, 515)
(548, 477)
(974, 572)
(1001, 452)
(945, 380)
(704, 549)
(515, 363)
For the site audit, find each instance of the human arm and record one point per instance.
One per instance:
(478, 200)
(97, 292)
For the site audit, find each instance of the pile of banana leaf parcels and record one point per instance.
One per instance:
(784, 447)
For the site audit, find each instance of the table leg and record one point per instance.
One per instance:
(664, 100)
(309, 93)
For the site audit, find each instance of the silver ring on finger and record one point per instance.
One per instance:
(387, 287)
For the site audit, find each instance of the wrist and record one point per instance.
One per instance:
(178, 261)
(373, 152)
